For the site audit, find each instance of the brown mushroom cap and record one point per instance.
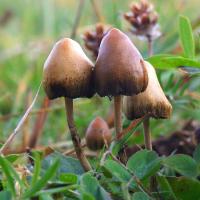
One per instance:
(97, 134)
(68, 71)
(152, 101)
(118, 69)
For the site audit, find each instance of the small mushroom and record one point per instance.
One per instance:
(119, 70)
(68, 73)
(152, 103)
(98, 134)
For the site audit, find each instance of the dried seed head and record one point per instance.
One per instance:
(98, 134)
(68, 71)
(152, 101)
(92, 39)
(143, 20)
(118, 69)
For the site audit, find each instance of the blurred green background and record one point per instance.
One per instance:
(28, 30)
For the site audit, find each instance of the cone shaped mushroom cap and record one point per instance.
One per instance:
(68, 71)
(152, 101)
(98, 134)
(118, 69)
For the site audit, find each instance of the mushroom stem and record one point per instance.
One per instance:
(74, 135)
(118, 114)
(147, 134)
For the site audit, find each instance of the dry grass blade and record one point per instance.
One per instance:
(129, 128)
(39, 124)
(19, 125)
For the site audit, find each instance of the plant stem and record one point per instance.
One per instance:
(147, 134)
(96, 9)
(150, 46)
(74, 135)
(77, 18)
(118, 114)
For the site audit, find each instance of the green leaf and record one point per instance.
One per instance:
(166, 191)
(140, 196)
(10, 174)
(196, 154)
(117, 170)
(12, 157)
(144, 163)
(67, 164)
(55, 190)
(185, 188)
(50, 172)
(45, 197)
(166, 61)
(5, 195)
(120, 143)
(68, 178)
(182, 164)
(90, 185)
(186, 35)
(37, 167)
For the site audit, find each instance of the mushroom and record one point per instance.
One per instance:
(150, 103)
(98, 134)
(119, 70)
(68, 73)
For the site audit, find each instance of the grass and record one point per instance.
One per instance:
(27, 38)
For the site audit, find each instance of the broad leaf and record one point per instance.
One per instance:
(166, 191)
(185, 188)
(5, 195)
(67, 164)
(50, 172)
(140, 196)
(182, 164)
(186, 35)
(144, 163)
(165, 61)
(117, 170)
(89, 186)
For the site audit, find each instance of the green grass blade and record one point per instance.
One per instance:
(42, 182)
(37, 167)
(7, 172)
(186, 35)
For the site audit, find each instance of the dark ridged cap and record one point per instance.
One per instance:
(119, 69)
(68, 71)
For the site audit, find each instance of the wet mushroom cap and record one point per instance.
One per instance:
(119, 69)
(152, 101)
(98, 134)
(68, 71)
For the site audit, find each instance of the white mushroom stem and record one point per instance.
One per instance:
(74, 135)
(147, 133)
(118, 114)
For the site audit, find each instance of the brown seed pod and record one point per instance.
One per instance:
(143, 19)
(92, 39)
(98, 134)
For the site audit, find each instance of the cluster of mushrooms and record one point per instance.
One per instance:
(119, 71)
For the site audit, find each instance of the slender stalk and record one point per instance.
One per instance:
(96, 9)
(118, 114)
(77, 18)
(150, 46)
(147, 134)
(74, 135)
